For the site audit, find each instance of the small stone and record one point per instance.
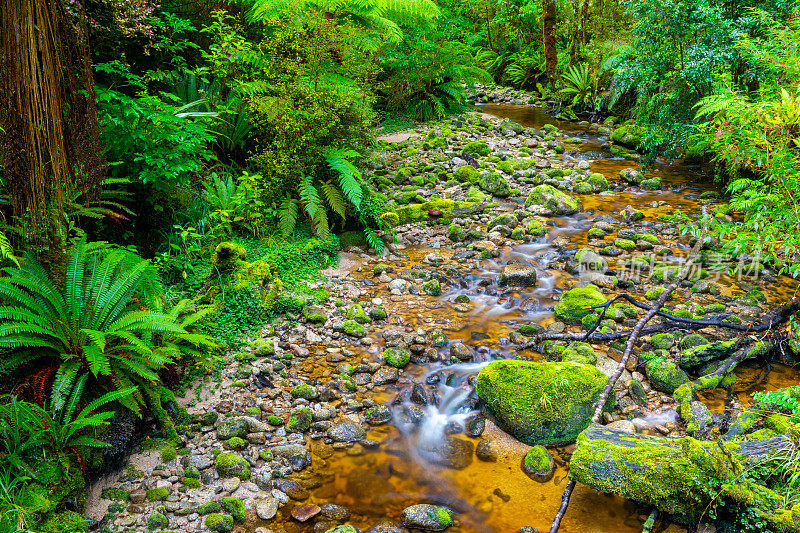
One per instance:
(305, 512)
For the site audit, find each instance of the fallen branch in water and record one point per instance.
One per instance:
(635, 332)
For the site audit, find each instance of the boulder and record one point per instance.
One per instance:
(542, 403)
(573, 303)
(427, 517)
(518, 275)
(538, 464)
(556, 201)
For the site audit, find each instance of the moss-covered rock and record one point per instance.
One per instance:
(219, 522)
(157, 521)
(432, 287)
(542, 403)
(579, 352)
(228, 256)
(378, 313)
(442, 211)
(235, 507)
(315, 314)
(300, 420)
(427, 517)
(662, 341)
(208, 508)
(692, 358)
(466, 174)
(478, 148)
(573, 304)
(263, 347)
(551, 198)
(236, 443)
(233, 427)
(664, 374)
(353, 328)
(538, 464)
(506, 219)
(396, 357)
(305, 391)
(229, 464)
(157, 495)
(494, 184)
(628, 135)
(356, 312)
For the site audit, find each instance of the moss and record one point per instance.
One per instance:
(305, 391)
(535, 228)
(299, 421)
(663, 373)
(432, 287)
(449, 208)
(625, 244)
(219, 522)
(652, 184)
(628, 135)
(705, 353)
(542, 403)
(344, 528)
(157, 521)
(475, 195)
(663, 341)
(444, 517)
(263, 347)
(573, 303)
(396, 357)
(551, 198)
(157, 495)
(191, 482)
(228, 256)
(231, 465)
(235, 507)
(494, 184)
(378, 313)
(466, 174)
(115, 493)
(596, 233)
(507, 219)
(265, 454)
(654, 293)
(236, 443)
(456, 233)
(579, 352)
(208, 508)
(353, 328)
(168, 453)
(478, 148)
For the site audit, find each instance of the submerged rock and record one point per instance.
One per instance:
(542, 403)
(427, 517)
(518, 275)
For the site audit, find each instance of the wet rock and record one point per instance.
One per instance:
(664, 374)
(267, 508)
(377, 415)
(419, 395)
(542, 403)
(396, 357)
(461, 351)
(305, 512)
(538, 464)
(334, 512)
(386, 526)
(232, 427)
(475, 426)
(347, 431)
(385, 375)
(427, 517)
(518, 275)
(623, 425)
(452, 452)
(292, 488)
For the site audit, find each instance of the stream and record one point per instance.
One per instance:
(497, 497)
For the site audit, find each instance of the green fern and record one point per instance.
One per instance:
(287, 216)
(91, 324)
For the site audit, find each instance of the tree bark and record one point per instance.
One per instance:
(549, 38)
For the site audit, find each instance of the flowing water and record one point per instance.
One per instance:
(497, 497)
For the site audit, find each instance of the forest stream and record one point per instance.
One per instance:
(409, 460)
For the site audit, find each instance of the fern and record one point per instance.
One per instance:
(288, 216)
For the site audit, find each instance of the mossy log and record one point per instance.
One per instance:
(676, 476)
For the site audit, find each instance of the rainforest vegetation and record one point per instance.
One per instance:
(176, 174)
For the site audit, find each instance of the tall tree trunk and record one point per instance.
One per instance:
(549, 38)
(50, 138)
(584, 20)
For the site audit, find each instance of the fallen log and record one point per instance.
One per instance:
(677, 476)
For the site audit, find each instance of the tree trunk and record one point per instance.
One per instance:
(549, 38)
(672, 475)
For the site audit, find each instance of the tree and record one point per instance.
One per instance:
(549, 38)
(50, 132)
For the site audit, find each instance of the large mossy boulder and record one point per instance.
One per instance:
(574, 303)
(228, 256)
(558, 202)
(443, 211)
(629, 135)
(495, 184)
(664, 374)
(542, 403)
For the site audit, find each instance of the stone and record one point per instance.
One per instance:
(232, 427)
(396, 357)
(305, 512)
(486, 450)
(518, 275)
(573, 303)
(231, 465)
(219, 522)
(461, 351)
(347, 431)
(559, 203)
(664, 374)
(542, 403)
(335, 512)
(427, 517)
(538, 464)
(292, 488)
(267, 508)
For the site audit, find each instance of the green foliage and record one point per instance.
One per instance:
(578, 85)
(90, 327)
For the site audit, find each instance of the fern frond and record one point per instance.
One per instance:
(335, 199)
(288, 216)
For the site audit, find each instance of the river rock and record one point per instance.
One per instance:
(573, 303)
(427, 517)
(556, 201)
(538, 464)
(267, 508)
(518, 275)
(461, 351)
(347, 431)
(386, 526)
(542, 403)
